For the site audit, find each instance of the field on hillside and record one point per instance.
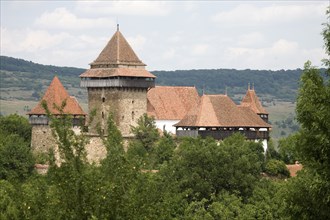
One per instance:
(21, 107)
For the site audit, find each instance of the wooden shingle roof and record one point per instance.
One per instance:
(220, 111)
(171, 102)
(251, 100)
(111, 72)
(118, 51)
(55, 95)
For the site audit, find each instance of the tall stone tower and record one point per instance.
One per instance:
(117, 83)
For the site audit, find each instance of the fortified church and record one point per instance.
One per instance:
(118, 83)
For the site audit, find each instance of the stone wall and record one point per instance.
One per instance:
(127, 105)
(42, 140)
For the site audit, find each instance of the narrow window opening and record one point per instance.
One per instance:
(103, 99)
(133, 115)
(103, 115)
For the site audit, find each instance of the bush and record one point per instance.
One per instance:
(277, 168)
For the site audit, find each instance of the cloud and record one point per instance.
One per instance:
(27, 40)
(142, 8)
(169, 54)
(137, 43)
(247, 14)
(63, 19)
(200, 49)
(282, 54)
(251, 39)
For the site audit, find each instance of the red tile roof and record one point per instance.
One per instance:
(171, 102)
(56, 94)
(111, 72)
(294, 168)
(251, 100)
(220, 111)
(118, 51)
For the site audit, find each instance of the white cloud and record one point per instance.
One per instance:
(64, 19)
(137, 43)
(247, 14)
(143, 8)
(28, 40)
(282, 54)
(169, 54)
(200, 49)
(251, 39)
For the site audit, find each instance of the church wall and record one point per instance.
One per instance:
(167, 124)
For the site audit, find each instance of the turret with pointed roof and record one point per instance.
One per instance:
(54, 97)
(117, 83)
(251, 101)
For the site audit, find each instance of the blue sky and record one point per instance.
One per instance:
(168, 35)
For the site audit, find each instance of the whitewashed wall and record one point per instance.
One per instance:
(168, 125)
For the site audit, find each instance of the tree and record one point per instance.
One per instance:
(16, 160)
(201, 167)
(308, 195)
(146, 132)
(277, 168)
(145, 137)
(15, 124)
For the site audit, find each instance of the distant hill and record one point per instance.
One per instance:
(19, 75)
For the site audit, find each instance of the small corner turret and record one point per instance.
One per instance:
(251, 101)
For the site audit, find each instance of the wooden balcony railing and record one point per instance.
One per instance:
(221, 134)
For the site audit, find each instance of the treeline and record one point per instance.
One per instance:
(281, 84)
(157, 178)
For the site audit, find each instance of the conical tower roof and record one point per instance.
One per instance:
(54, 96)
(251, 100)
(118, 51)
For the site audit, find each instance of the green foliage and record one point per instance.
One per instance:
(313, 112)
(8, 206)
(277, 168)
(15, 124)
(203, 166)
(271, 153)
(141, 149)
(308, 195)
(16, 160)
(287, 149)
(163, 151)
(146, 132)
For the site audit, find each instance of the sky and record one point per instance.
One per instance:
(168, 35)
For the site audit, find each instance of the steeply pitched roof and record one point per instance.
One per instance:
(111, 72)
(118, 51)
(55, 95)
(251, 100)
(220, 111)
(171, 102)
